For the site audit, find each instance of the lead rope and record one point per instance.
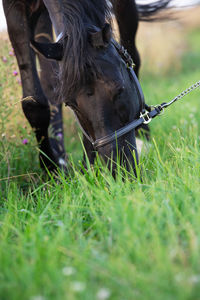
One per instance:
(160, 108)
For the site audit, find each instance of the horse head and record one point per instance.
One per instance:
(97, 85)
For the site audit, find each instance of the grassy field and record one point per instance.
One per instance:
(90, 237)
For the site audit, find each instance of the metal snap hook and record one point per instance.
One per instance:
(160, 109)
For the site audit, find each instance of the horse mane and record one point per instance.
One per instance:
(78, 61)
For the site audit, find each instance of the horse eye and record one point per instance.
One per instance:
(90, 93)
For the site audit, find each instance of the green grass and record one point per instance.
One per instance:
(91, 237)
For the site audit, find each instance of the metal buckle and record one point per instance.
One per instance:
(133, 65)
(145, 117)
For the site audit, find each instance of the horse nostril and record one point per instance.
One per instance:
(90, 94)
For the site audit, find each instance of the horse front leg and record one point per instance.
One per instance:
(48, 78)
(35, 104)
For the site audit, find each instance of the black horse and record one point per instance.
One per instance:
(91, 77)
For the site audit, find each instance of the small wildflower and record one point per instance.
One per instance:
(194, 279)
(18, 80)
(59, 136)
(15, 73)
(103, 294)
(25, 141)
(68, 271)
(193, 109)
(179, 277)
(78, 286)
(62, 162)
(23, 210)
(60, 223)
(4, 59)
(11, 53)
(39, 297)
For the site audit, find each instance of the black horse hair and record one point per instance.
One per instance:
(78, 61)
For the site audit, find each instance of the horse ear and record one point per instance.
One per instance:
(101, 37)
(49, 50)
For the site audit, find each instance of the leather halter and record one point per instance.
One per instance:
(146, 114)
(124, 130)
